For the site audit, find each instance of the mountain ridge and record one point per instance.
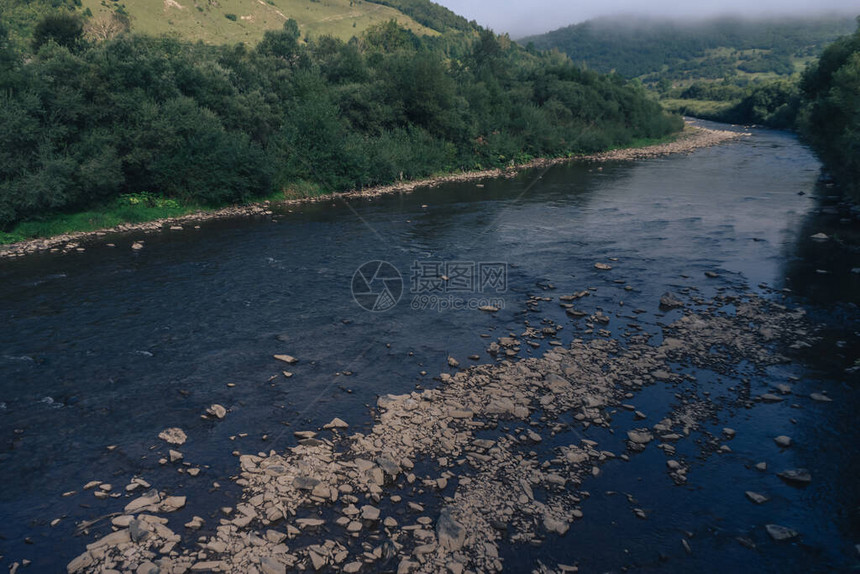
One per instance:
(710, 48)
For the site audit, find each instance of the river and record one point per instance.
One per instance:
(101, 350)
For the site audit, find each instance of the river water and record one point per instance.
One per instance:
(101, 350)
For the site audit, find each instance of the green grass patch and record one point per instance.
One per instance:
(697, 108)
(135, 208)
(301, 189)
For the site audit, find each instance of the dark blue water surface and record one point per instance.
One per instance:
(110, 346)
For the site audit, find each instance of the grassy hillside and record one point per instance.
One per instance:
(232, 21)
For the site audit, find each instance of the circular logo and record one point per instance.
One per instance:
(377, 286)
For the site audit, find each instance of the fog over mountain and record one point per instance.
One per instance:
(521, 18)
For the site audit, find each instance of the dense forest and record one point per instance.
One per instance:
(89, 120)
(830, 116)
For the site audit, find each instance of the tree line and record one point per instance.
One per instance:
(86, 119)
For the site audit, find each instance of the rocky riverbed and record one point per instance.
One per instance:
(449, 477)
(691, 139)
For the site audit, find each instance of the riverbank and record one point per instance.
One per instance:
(691, 139)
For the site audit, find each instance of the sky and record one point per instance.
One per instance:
(523, 17)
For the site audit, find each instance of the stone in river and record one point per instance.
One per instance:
(336, 423)
(820, 398)
(453, 363)
(138, 530)
(353, 526)
(389, 466)
(208, 566)
(450, 533)
(150, 499)
(661, 375)
(174, 455)
(819, 237)
(756, 497)
(305, 482)
(640, 437)
(317, 560)
(369, 512)
(172, 503)
(556, 383)
(289, 359)
(488, 308)
(321, 491)
(270, 565)
(80, 563)
(554, 525)
(602, 267)
(780, 533)
(799, 476)
(670, 301)
(195, 523)
(217, 411)
(770, 398)
(783, 441)
(173, 435)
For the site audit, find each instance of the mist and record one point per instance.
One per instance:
(520, 18)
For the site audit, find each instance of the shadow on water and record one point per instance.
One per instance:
(823, 270)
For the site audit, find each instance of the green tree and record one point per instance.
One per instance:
(284, 45)
(64, 28)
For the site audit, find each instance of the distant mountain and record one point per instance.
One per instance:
(705, 49)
